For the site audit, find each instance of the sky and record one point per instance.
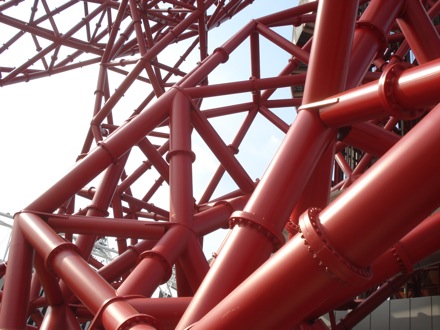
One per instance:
(44, 122)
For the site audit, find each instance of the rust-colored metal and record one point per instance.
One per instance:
(352, 182)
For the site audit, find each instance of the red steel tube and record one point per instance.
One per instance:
(57, 41)
(184, 288)
(251, 85)
(373, 27)
(182, 203)
(222, 13)
(14, 313)
(166, 310)
(180, 158)
(125, 261)
(275, 120)
(142, 44)
(246, 106)
(2, 269)
(204, 222)
(221, 151)
(370, 138)
(401, 93)
(105, 154)
(217, 216)
(254, 41)
(60, 317)
(415, 95)
(283, 43)
(109, 227)
(155, 157)
(102, 75)
(139, 67)
(156, 264)
(101, 202)
(49, 282)
(273, 19)
(258, 227)
(317, 190)
(234, 147)
(220, 55)
(228, 110)
(419, 31)
(228, 269)
(273, 293)
(99, 297)
(419, 171)
(158, 261)
(193, 263)
(399, 258)
(342, 163)
(362, 241)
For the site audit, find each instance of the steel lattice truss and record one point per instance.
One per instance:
(365, 134)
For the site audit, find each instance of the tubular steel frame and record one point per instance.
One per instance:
(371, 66)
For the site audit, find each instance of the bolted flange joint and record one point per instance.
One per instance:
(399, 254)
(378, 33)
(387, 93)
(292, 227)
(50, 257)
(321, 248)
(164, 262)
(97, 208)
(223, 53)
(243, 218)
(109, 152)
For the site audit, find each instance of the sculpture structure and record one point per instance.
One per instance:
(365, 88)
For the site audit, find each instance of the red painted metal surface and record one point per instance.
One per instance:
(370, 73)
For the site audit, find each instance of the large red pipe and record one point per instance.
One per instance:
(399, 258)
(404, 94)
(338, 245)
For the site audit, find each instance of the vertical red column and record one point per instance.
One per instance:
(14, 308)
(180, 158)
(182, 201)
(156, 263)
